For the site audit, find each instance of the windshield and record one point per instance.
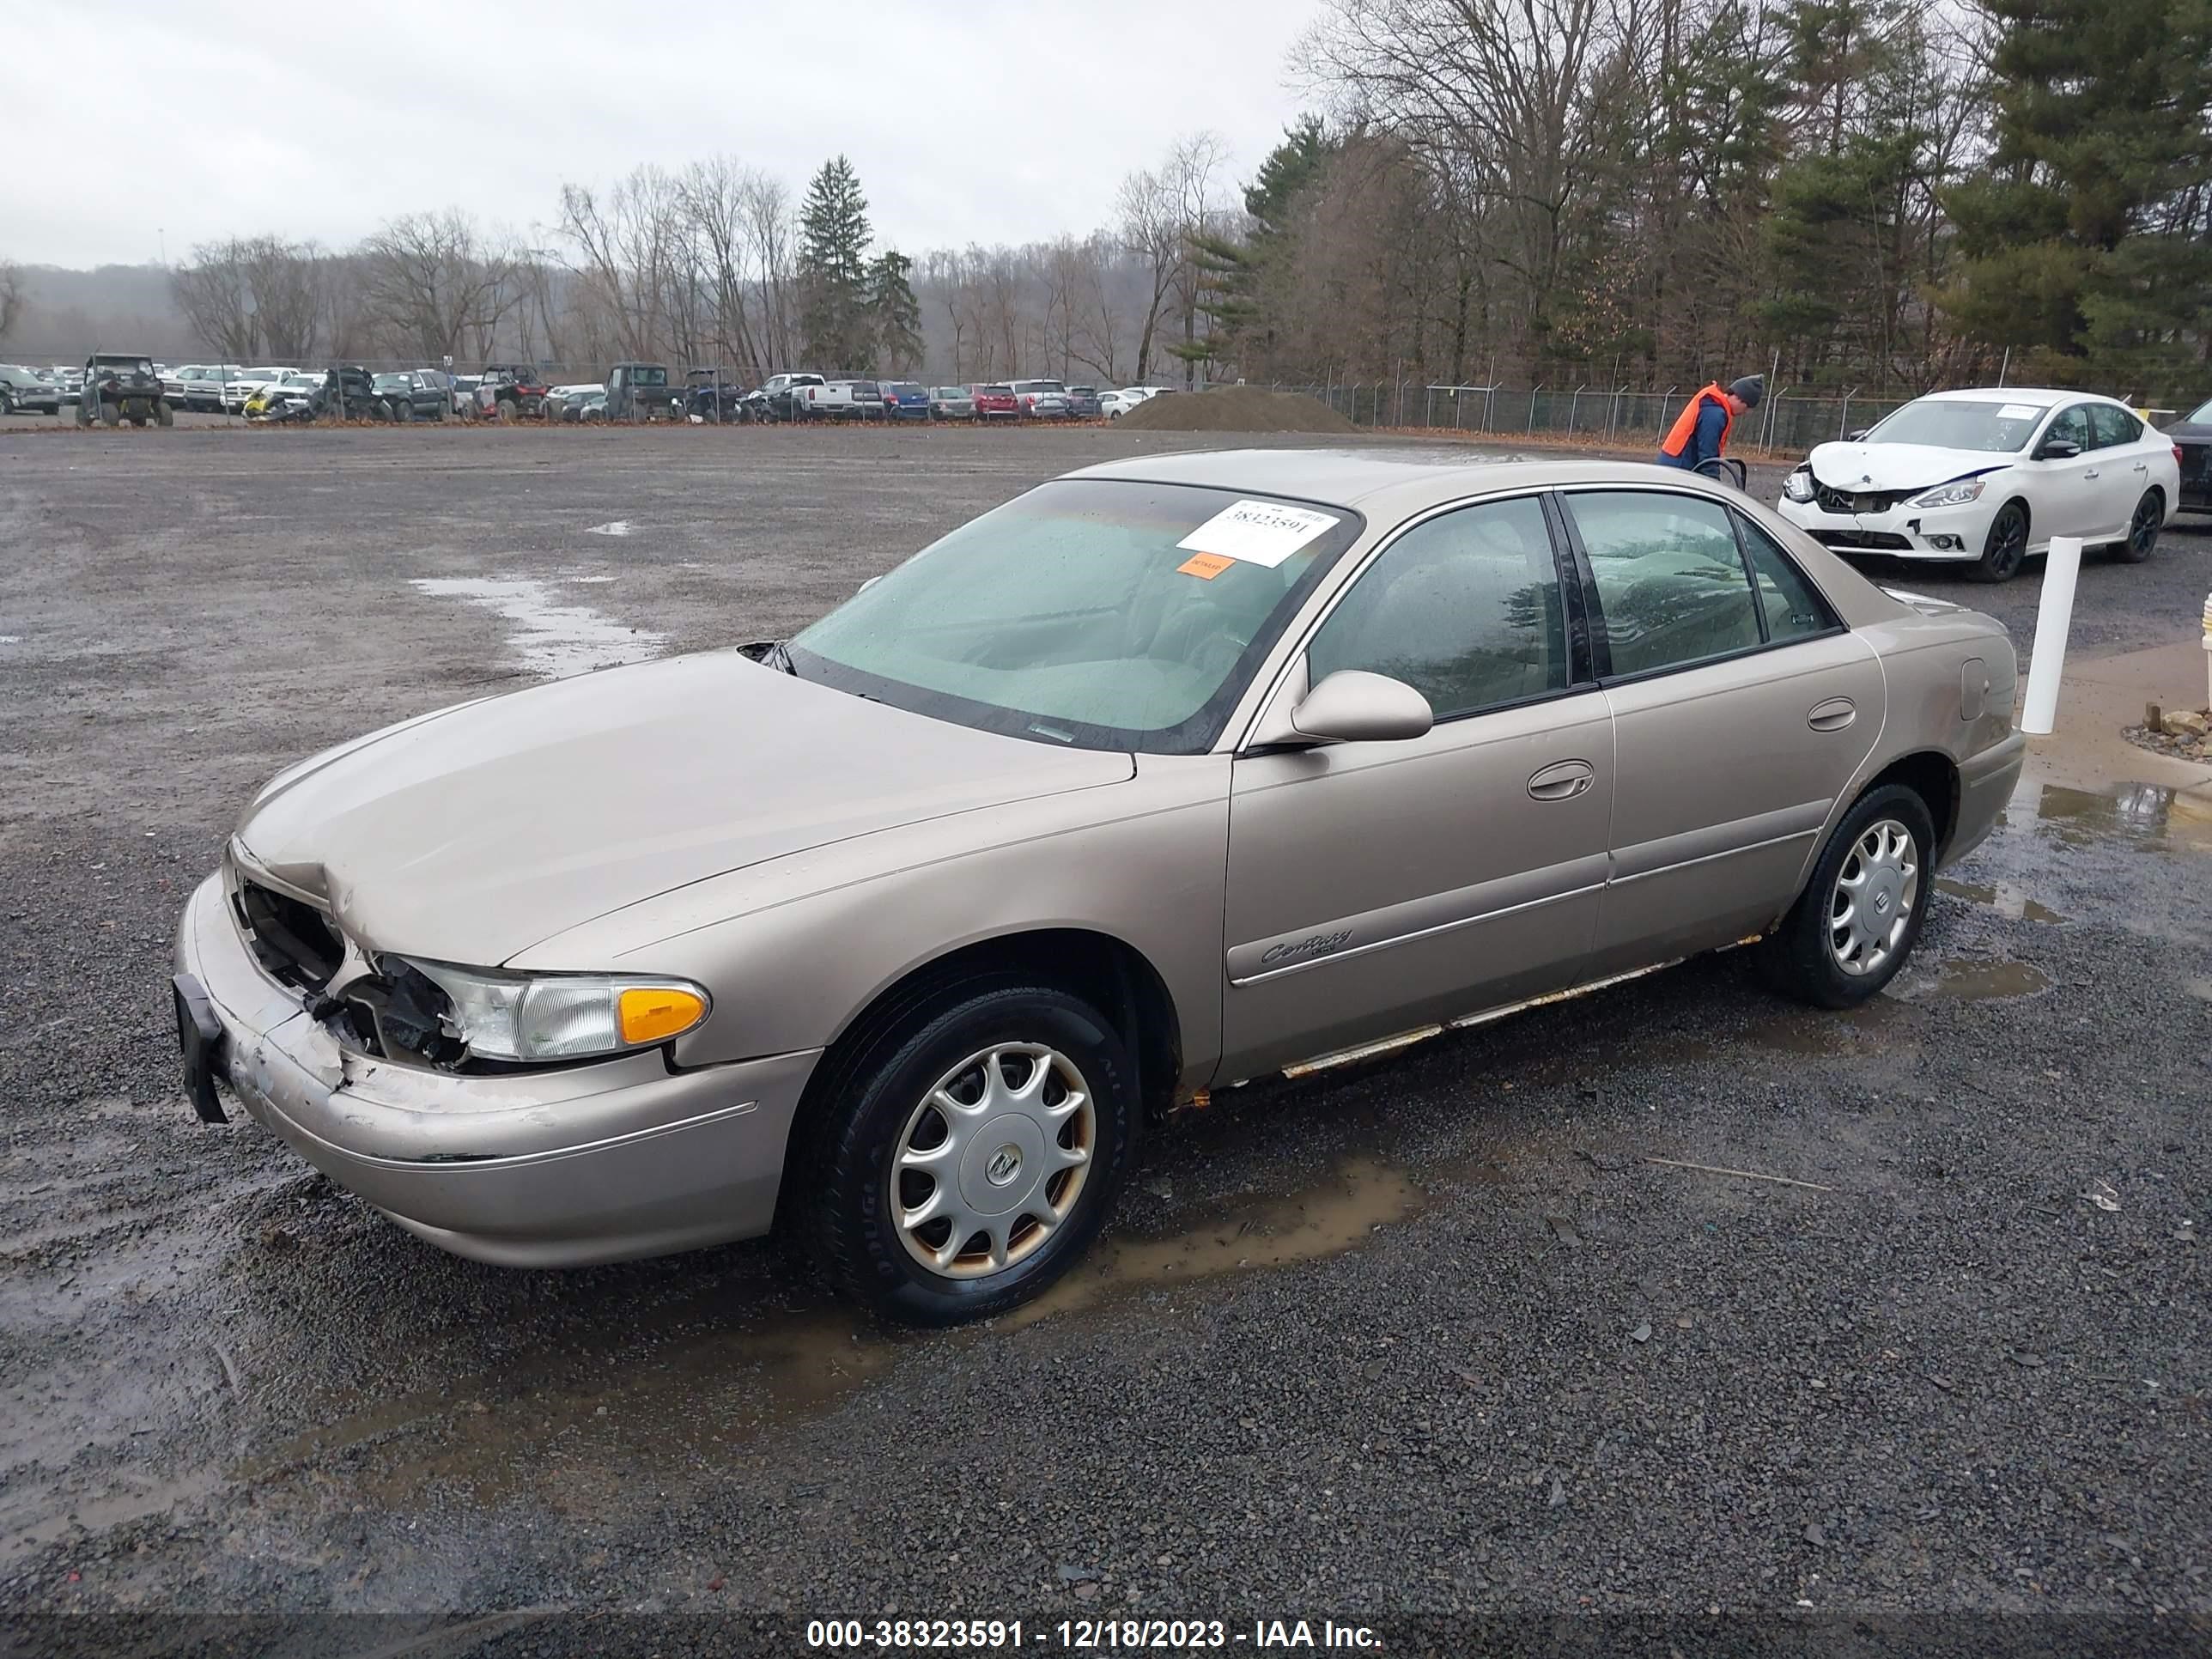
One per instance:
(392, 383)
(648, 377)
(1996, 427)
(1089, 611)
(2201, 415)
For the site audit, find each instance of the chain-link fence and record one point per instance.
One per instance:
(1786, 420)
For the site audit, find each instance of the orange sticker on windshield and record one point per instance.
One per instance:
(1205, 566)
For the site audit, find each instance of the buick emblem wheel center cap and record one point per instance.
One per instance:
(1005, 1165)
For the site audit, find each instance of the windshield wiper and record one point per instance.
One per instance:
(777, 658)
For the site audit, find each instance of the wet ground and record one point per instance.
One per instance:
(1668, 1299)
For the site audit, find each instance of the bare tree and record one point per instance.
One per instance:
(433, 281)
(217, 299)
(632, 252)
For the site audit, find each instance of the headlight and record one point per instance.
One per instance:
(1957, 494)
(1798, 486)
(536, 1016)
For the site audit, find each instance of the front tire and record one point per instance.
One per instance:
(2143, 525)
(967, 1153)
(2004, 549)
(1860, 915)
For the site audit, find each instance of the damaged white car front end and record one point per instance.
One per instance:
(1901, 500)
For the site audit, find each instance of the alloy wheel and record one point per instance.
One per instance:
(1875, 893)
(993, 1160)
(2008, 543)
(2143, 529)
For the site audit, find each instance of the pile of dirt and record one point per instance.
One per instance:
(1233, 409)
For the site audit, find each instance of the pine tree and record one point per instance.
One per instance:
(832, 246)
(1228, 298)
(2082, 233)
(893, 311)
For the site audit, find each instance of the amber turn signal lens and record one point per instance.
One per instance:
(655, 1012)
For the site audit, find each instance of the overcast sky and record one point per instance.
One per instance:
(968, 120)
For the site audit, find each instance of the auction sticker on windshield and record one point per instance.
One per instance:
(1258, 532)
(2018, 412)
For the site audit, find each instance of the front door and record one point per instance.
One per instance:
(1377, 887)
(2067, 499)
(1741, 708)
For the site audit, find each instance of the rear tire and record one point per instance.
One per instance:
(2143, 525)
(2004, 549)
(1860, 915)
(163, 415)
(876, 1111)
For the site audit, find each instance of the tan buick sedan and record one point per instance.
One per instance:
(1164, 775)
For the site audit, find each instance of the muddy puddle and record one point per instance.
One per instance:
(686, 1393)
(2009, 899)
(548, 636)
(677, 1392)
(1337, 1215)
(1976, 979)
(2145, 812)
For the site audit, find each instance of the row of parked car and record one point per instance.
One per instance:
(279, 392)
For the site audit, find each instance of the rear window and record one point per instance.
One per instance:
(995, 390)
(649, 377)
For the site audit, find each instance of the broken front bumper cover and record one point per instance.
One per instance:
(1904, 532)
(555, 1168)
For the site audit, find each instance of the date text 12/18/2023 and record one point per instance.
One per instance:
(1085, 1634)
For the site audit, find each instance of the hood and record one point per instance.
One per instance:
(470, 834)
(1850, 467)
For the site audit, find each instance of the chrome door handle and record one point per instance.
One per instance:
(1832, 716)
(2090, 474)
(2141, 466)
(1561, 781)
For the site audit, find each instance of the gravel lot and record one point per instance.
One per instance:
(1428, 1340)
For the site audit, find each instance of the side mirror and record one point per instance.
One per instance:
(1352, 705)
(2057, 449)
(1859, 436)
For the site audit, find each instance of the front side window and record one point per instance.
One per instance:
(1670, 582)
(1465, 608)
(2113, 425)
(2071, 427)
(1100, 613)
(1793, 607)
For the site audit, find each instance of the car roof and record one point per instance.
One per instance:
(1403, 479)
(2040, 397)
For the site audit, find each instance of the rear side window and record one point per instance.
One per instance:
(1464, 608)
(1793, 607)
(1670, 582)
(2113, 425)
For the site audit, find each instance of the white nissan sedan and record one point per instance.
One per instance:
(1986, 478)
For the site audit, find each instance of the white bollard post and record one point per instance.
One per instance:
(2208, 650)
(2061, 567)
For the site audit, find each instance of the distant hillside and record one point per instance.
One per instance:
(70, 313)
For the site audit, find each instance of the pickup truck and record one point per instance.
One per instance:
(776, 398)
(844, 399)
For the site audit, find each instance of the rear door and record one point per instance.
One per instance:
(1742, 708)
(1377, 887)
(2125, 447)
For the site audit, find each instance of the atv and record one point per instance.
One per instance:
(349, 393)
(708, 398)
(122, 385)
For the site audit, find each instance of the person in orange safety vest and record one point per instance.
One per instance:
(1700, 432)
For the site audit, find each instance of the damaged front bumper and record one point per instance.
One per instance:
(1903, 531)
(560, 1167)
